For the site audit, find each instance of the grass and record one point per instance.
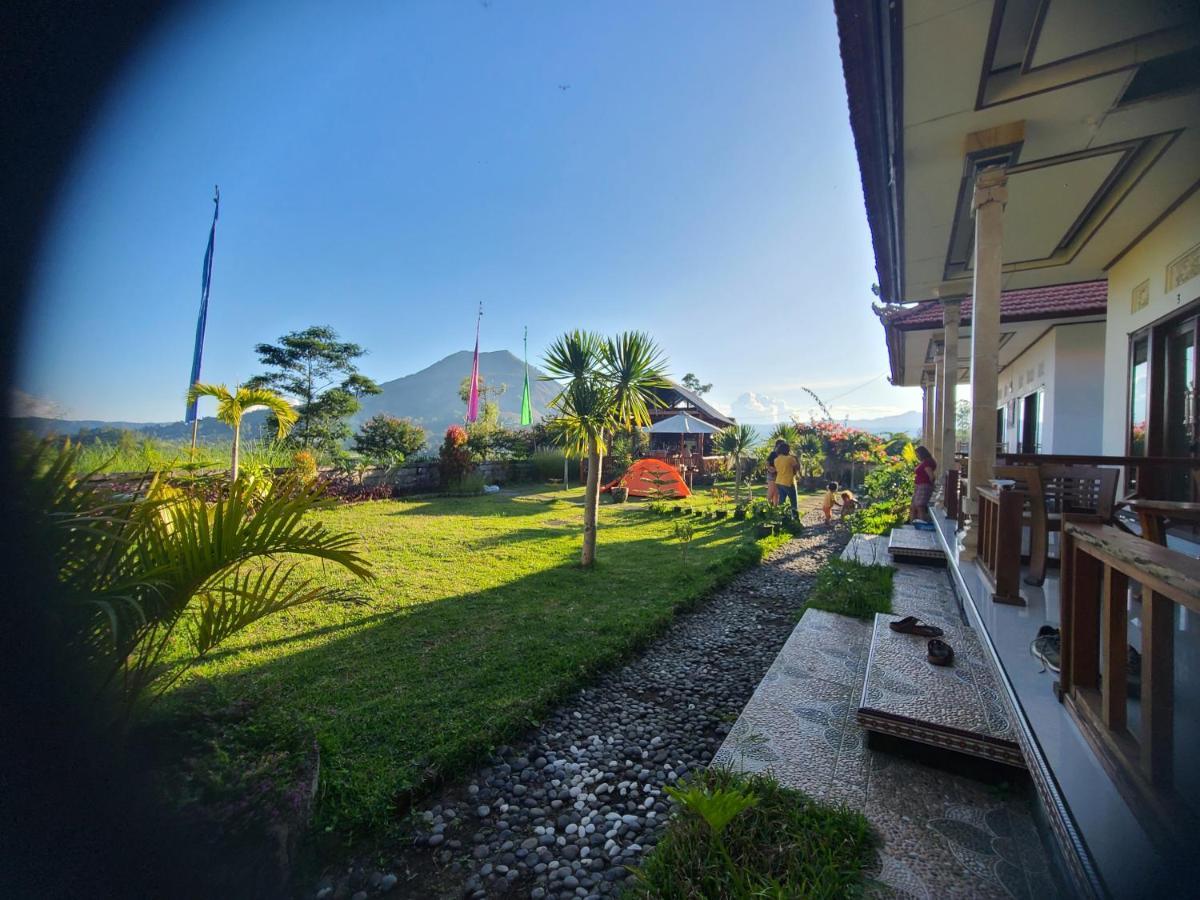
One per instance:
(479, 620)
(146, 454)
(852, 589)
(782, 844)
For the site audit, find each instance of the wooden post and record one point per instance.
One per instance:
(1114, 690)
(1158, 688)
(1007, 538)
(1084, 633)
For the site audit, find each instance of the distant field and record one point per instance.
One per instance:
(480, 618)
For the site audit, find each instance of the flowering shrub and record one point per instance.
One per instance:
(455, 456)
(889, 488)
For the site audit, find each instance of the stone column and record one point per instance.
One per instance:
(991, 193)
(926, 408)
(934, 442)
(948, 394)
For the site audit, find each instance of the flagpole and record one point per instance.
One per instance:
(202, 320)
(473, 395)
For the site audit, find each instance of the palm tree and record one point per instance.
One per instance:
(607, 384)
(785, 431)
(735, 441)
(143, 575)
(232, 405)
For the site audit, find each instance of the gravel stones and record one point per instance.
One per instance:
(572, 806)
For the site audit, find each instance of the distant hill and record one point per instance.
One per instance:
(429, 397)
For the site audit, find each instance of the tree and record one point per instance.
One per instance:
(316, 369)
(736, 441)
(232, 405)
(606, 384)
(144, 574)
(387, 439)
(692, 383)
(962, 422)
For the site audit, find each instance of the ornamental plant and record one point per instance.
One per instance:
(455, 456)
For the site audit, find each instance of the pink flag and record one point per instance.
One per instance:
(473, 398)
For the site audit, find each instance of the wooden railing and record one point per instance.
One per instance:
(951, 494)
(999, 542)
(1099, 562)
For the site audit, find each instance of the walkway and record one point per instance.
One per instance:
(944, 835)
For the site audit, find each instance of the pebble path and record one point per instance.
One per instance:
(569, 809)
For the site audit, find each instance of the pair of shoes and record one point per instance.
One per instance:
(923, 526)
(938, 652)
(1047, 647)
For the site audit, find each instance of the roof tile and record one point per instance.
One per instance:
(1056, 301)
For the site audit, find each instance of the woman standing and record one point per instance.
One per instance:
(772, 487)
(922, 486)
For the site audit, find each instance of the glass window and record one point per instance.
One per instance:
(1139, 403)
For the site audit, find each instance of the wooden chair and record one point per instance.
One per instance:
(1076, 490)
(1028, 480)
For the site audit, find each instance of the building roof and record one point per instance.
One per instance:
(1059, 301)
(676, 392)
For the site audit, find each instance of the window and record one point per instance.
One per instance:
(1139, 401)
(1030, 416)
(1001, 442)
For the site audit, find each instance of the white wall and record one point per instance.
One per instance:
(1067, 365)
(1031, 371)
(1079, 388)
(1147, 261)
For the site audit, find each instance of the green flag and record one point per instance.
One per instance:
(526, 406)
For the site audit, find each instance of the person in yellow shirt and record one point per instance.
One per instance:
(786, 469)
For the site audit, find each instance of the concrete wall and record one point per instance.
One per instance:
(1146, 263)
(1067, 365)
(420, 478)
(1078, 388)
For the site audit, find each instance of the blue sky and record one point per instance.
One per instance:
(386, 166)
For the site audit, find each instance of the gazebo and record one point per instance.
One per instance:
(684, 425)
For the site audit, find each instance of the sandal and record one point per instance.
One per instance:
(940, 653)
(913, 625)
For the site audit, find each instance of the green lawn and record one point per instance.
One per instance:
(479, 619)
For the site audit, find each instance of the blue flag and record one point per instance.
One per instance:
(205, 283)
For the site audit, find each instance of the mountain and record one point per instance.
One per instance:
(429, 397)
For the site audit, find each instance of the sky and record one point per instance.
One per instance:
(683, 168)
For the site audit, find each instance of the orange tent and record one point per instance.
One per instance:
(649, 477)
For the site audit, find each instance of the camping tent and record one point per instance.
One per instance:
(652, 478)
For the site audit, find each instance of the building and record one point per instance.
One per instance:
(1030, 172)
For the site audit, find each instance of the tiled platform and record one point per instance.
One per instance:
(942, 835)
(910, 544)
(956, 707)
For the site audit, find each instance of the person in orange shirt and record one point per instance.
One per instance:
(829, 501)
(786, 469)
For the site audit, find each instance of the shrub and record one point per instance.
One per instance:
(387, 440)
(138, 569)
(889, 488)
(454, 456)
(748, 836)
(850, 588)
(549, 463)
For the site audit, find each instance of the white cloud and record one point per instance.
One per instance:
(26, 404)
(759, 409)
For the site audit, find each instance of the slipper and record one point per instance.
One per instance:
(913, 625)
(940, 653)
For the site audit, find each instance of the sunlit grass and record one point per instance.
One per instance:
(479, 618)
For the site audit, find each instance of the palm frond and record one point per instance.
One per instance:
(574, 356)
(249, 595)
(634, 366)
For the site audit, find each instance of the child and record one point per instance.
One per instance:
(829, 501)
(922, 485)
(786, 469)
(849, 504)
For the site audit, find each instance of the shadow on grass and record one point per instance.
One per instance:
(529, 502)
(415, 697)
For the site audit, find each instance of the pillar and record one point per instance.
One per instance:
(934, 442)
(948, 395)
(988, 202)
(926, 407)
